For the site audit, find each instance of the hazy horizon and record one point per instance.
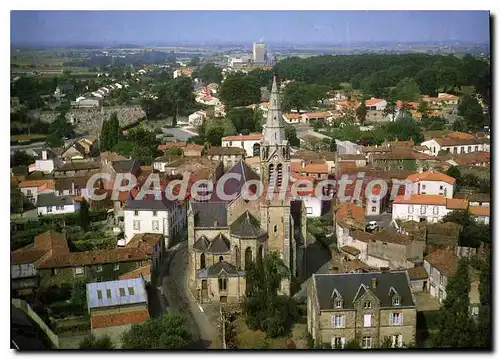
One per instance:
(328, 27)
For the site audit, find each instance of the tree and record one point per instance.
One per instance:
(291, 135)
(214, 135)
(423, 109)
(472, 112)
(297, 95)
(263, 308)
(454, 172)
(390, 109)
(195, 61)
(433, 123)
(406, 90)
(83, 215)
(239, 90)
(209, 73)
(169, 331)
(243, 118)
(361, 113)
(428, 82)
(174, 151)
(176, 97)
(403, 129)
(91, 342)
(455, 328)
(54, 140)
(21, 158)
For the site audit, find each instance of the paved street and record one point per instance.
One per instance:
(383, 220)
(179, 299)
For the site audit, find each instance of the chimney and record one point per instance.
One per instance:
(374, 283)
(44, 154)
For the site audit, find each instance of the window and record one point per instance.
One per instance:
(275, 228)
(374, 209)
(366, 342)
(99, 268)
(137, 225)
(337, 321)
(395, 300)
(54, 271)
(441, 280)
(435, 210)
(117, 266)
(59, 208)
(368, 305)
(155, 225)
(338, 342)
(61, 193)
(108, 293)
(29, 194)
(396, 319)
(476, 148)
(440, 188)
(423, 209)
(423, 186)
(367, 320)
(99, 294)
(122, 292)
(131, 290)
(410, 209)
(338, 303)
(49, 209)
(309, 210)
(230, 143)
(397, 341)
(222, 284)
(475, 310)
(155, 213)
(79, 270)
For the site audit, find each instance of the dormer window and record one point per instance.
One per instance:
(367, 305)
(395, 300)
(338, 303)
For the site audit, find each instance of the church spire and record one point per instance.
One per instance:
(274, 131)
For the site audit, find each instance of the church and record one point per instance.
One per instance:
(225, 236)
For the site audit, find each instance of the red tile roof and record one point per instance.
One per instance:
(45, 245)
(479, 211)
(47, 184)
(243, 138)
(445, 261)
(373, 101)
(421, 199)
(456, 203)
(145, 271)
(144, 242)
(111, 320)
(431, 176)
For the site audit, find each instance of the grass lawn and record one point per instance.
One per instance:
(254, 339)
(33, 136)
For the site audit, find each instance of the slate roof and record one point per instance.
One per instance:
(218, 151)
(215, 270)
(246, 226)
(65, 183)
(220, 244)
(206, 214)
(348, 286)
(232, 185)
(148, 204)
(78, 166)
(125, 166)
(49, 199)
(136, 295)
(202, 244)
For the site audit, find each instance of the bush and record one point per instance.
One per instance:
(168, 134)
(61, 310)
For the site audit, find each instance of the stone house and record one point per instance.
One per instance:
(368, 307)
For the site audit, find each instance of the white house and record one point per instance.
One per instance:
(196, 119)
(250, 143)
(375, 104)
(154, 216)
(432, 182)
(46, 163)
(50, 204)
(32, 188)
(425, 207)
(456, 143)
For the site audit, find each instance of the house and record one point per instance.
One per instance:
(229, 156)
(375, 104)
(50, 204)
(433, 183)
(100, 264)
(72, 186)
(144, 272)
(87, 143)
(369, 307)
(114, 306)
(347, 217)
(152, 244)
(480, 213)
(250, 143)
(196, 119)
(32, 188)
(292, 117)
(154, 216)
(24, 261)
(425, 208)
(89, 102)
(185, 71)
(401, 159)
(317, 169)
(480, 159)
(456, 143)
(312, 117)
(441, 266)
(77, 168)
(195, 166)
(46, 162)
(160, 163)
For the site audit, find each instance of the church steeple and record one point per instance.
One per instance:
(274, 131)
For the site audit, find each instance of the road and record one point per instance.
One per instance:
(179, 299)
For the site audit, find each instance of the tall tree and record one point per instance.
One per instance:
(423, 109)
(83, 215)
(455, 327)
(406, 90)
(361, 113)
(208, 73)
(472, 112)
(168, 331)
(239, 90)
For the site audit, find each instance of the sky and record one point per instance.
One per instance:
(332, 27)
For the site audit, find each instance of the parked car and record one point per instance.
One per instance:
(371, 226)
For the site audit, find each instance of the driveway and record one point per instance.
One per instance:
(383, 220)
